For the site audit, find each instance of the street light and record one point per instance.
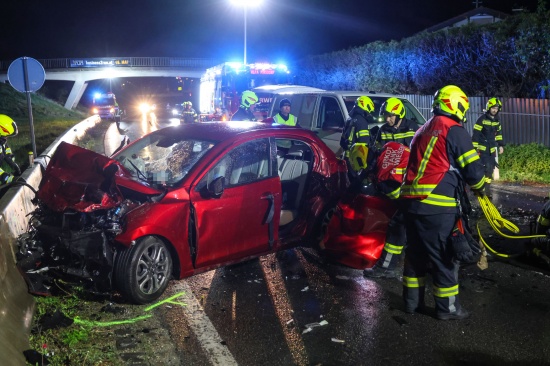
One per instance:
(245, 4)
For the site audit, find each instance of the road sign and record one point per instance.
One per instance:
(27, 75)
(34, 78)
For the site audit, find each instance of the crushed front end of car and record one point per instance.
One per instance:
(80, 210)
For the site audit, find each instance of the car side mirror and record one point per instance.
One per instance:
(216, 187)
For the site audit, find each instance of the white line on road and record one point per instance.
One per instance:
(203, 328)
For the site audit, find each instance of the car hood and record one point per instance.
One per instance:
(85, 181)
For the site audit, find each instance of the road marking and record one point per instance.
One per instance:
(203, 328)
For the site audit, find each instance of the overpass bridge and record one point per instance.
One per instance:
(83, 70)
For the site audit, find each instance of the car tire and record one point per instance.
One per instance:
(142, 272)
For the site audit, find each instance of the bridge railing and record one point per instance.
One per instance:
(62, 63)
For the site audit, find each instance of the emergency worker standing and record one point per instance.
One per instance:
(188, 115)
(246, 109)
(356, 138)
(396, 128)
(7, 128)
(486, 137)
(400, 130)
(284, 117)
(442, 158)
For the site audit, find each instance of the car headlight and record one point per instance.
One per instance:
(144, 107)
(95, 111)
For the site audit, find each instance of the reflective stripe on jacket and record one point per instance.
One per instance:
(441, 153)
(487, 134)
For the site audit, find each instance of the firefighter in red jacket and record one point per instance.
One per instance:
(442, 160)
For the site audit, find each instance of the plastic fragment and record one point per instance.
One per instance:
(336, 340)
(305, 289)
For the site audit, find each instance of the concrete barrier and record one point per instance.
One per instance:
(16, 305)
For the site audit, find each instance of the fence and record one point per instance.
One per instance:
(523, 120)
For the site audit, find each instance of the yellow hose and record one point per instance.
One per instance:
(497, 222)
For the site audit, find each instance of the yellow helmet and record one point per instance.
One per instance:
(493, 102)
(365, 103)
(393, 107)
(7, 126)
(358, 156)
(452, 102)
(248, 98)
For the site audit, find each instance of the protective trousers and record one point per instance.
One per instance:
(396, 238)
(488, 160)
(427, 250)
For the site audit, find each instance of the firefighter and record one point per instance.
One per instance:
(390, 169)
(284, 117)
(442, 159)
(486, 137)
(7, 128)
(356, 137)
(400, 130)
(246, 109)
(397, 128)
(188, 114)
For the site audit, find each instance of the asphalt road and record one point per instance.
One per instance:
(259, 312)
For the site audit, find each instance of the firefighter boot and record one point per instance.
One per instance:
(380, 272)
(414, 299)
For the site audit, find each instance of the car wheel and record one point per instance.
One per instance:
(142, 272)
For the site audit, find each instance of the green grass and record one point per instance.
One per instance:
(76, 344)
(527, 163)
(50, 120)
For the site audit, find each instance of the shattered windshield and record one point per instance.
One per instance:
(162, 160)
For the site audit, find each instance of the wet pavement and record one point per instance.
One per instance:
(297, 308)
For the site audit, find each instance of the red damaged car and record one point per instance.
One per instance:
(179, 201)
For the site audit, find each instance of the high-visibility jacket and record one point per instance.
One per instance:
(487, 134)
(403, 134)
(390, 168)
(442, 154)
(291, 121)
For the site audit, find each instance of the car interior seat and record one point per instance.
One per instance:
(293, 171)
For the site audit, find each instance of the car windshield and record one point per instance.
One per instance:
(162, 160)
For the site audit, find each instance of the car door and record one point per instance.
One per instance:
(243, 220)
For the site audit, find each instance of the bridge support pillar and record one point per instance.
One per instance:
(76, 93)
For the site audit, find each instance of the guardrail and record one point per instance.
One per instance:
(16, 305)
(66, 63)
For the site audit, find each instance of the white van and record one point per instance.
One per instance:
(325, 111)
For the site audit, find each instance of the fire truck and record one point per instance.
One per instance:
(106, 106)
(222, 85)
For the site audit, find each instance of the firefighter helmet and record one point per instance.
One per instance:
(248, 98)
(365, 103)
(392, 107)
(451, 101)
(493, 102)
(358, 156)
(7, 126)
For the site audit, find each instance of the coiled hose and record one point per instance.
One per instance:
(497, 222)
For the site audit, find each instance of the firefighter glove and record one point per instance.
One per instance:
(461, 248)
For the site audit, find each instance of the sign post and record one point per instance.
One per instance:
(26, 75)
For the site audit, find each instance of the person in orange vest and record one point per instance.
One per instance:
(442, 160)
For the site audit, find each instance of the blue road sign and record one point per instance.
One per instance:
(34, 78)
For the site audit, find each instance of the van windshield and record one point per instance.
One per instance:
(104, 102)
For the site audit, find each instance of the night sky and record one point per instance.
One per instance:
(279, 31)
